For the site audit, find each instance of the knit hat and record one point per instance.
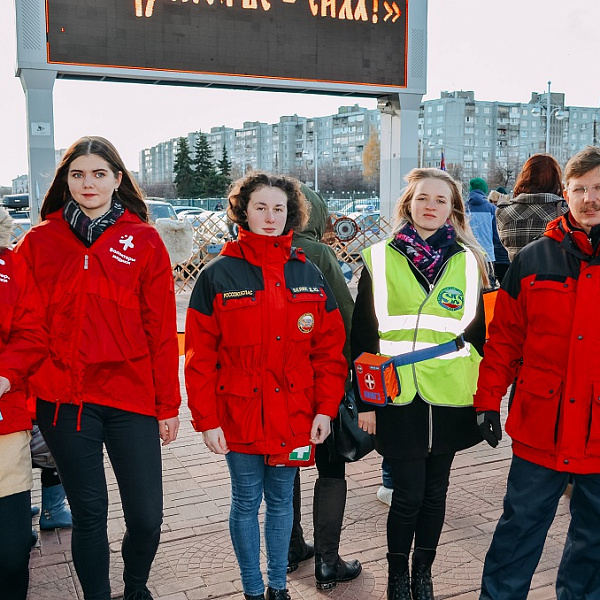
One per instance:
(501, 190)
(478, 184)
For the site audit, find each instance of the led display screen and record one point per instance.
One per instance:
(339, 41)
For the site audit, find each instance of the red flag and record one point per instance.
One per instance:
(443, 162)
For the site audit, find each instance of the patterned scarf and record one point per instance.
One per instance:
(427, 256)
(86, 229)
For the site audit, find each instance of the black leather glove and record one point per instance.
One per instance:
(489, 427)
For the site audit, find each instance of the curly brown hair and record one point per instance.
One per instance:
(298, 208)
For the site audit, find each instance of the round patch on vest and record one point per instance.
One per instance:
(306, 322)
(451, 298)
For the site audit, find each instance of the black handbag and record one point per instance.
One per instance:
(347, 441)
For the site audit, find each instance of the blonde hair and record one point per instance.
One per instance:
(458, 217)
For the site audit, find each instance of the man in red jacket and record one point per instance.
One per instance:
(546, 321)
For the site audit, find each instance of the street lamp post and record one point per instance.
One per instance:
(316, 161)
(560, 115)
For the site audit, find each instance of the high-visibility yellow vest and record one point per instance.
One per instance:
(411, 319)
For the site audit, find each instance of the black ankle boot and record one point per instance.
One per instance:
(328, 576)
(398, 578)
(259, 597)
(277, 594)
(421, 583)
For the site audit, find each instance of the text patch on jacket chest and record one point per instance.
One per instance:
(120, 255)
(237, 294)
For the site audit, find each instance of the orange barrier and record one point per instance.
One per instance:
(489, 301)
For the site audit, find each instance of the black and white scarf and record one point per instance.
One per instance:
(86, 229)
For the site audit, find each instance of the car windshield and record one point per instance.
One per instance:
(161, 211)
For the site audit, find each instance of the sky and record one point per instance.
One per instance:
(500, 50)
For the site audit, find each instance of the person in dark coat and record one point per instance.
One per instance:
(421, 288)
(330, 487)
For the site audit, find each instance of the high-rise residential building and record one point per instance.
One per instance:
(291, 145)
(481, 137)
(477, 138)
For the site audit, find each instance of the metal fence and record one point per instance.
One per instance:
(211, 232)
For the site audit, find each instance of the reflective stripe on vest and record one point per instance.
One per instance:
(411, 319)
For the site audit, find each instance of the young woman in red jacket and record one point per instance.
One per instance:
(23, 345)
(111, 379)
(264, 366)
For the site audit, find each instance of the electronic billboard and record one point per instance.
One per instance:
(350, 44)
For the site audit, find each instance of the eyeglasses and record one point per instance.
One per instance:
(581, 190)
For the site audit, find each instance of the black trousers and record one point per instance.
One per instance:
(15, 545)
(133, 446)
(419, 502)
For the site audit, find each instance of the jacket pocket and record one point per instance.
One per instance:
(548, 302)
(239, 406)
(304, 313)
(301, 399)
(241, 321)
(593, 442)
(533, 416)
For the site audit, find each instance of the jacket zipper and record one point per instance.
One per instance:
(429, 287)
(75, 381)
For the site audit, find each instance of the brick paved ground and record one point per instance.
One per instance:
(196, 561)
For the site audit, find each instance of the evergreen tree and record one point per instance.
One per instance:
(205, 173)
(184, 175)
(224, 175)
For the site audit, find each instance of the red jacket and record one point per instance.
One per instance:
(264, 341)
(23, 339)
(111, 317)
(546, 315)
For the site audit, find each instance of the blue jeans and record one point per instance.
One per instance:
(133, 445)
(532, 496)
(386, 474)
(250, 479)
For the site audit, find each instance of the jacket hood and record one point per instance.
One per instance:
(6, 228)
(477, 197)
(317, 222)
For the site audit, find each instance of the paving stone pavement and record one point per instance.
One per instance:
(195, 560)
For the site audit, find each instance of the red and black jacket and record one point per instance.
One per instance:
(264, 341)
(546, 317)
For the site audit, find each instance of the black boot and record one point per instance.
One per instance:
(248, 597)
(328, 514)
(299, 550)
(277, 594)
(421, 583)
(398, 577)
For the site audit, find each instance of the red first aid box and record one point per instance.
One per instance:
(377, 378)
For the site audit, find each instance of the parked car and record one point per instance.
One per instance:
(157, 209)
(182, 214)
(182, 209)
(22, 224)
(16, 201)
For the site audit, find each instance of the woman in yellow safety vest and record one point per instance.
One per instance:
(421, 288)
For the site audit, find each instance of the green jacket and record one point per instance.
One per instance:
(324, 257)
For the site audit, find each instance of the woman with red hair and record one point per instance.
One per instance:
(537, 199)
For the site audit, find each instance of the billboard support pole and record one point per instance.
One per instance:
(399, 127)
(38, 85)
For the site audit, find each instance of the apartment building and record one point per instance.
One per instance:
(477, 138)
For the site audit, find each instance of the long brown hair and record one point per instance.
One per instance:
(129, 194)
(540, 175)
(297, 206)
(458, 216)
